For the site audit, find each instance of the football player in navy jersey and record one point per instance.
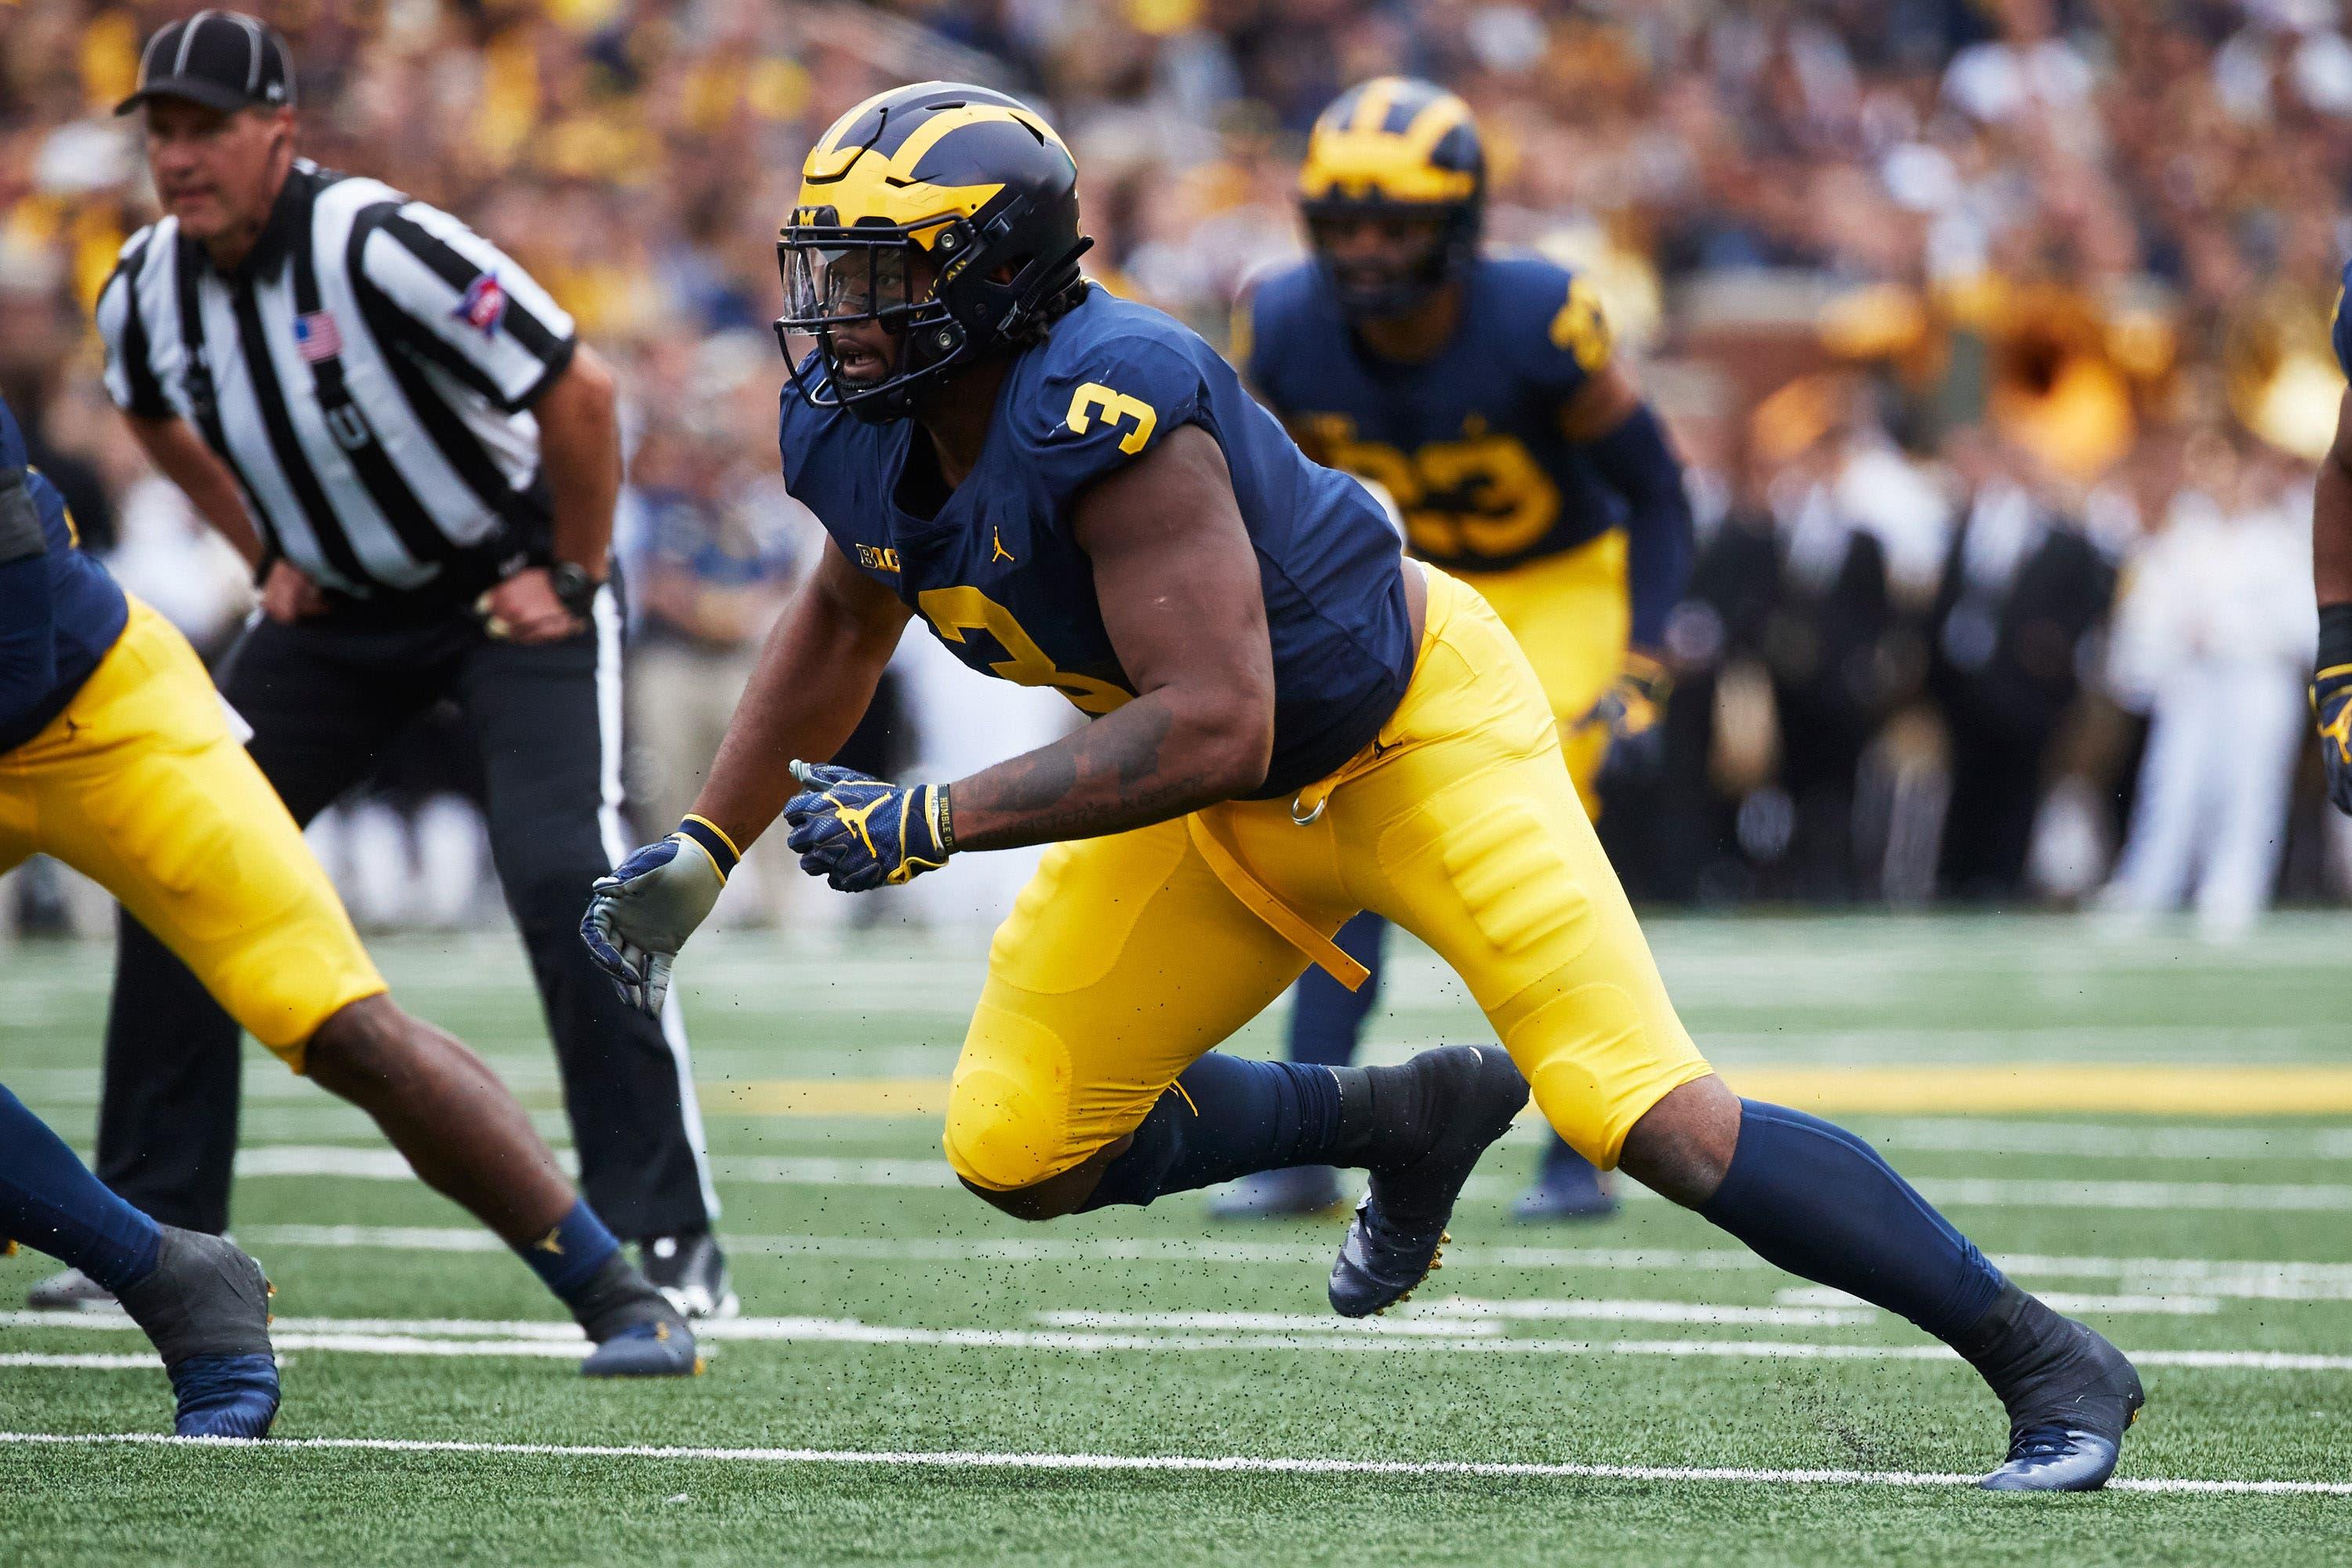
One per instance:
(117, 758)
(1290, 722)
(1482, 392)
(2331, 571)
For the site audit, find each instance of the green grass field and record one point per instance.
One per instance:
(919, 1379)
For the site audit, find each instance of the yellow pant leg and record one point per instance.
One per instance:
(139, 786)
(1469, 836)
(1123, 960)
(1572, 614)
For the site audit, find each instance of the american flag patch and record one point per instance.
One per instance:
(483, 305)
(316, 336)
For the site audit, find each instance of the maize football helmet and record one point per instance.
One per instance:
(1395, 148)
(946, 212)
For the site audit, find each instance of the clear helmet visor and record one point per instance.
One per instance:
(846, 283)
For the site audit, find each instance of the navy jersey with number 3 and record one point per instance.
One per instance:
(1468, 443)
(997, 572)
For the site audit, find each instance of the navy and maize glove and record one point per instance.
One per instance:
(640, 915)
(2331, 701)
(859, 833)
(1630, 710)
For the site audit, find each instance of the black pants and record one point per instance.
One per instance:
(327, 699)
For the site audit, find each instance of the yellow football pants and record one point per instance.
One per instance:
(139, 786)
(1573, 615)
(1127, 957)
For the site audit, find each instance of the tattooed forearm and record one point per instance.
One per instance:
(1131, 767)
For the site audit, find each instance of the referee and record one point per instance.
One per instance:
(401, 431)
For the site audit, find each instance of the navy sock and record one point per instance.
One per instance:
(1227, 1117)
(1818, 1201)
(49, 1200)
(1324, 1016)
(568, 1256)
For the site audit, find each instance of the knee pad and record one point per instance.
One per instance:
(1008, 1106)
(1580, 1054)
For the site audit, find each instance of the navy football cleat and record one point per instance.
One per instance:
(1291, 1193)
(656, 1347)
(206, 1308)
(1466, 1098)
(2067, 1418)
(225, 1395)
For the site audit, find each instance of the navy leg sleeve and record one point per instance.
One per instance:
(1227, 1117)
(49, 1200)
(1818, 1201)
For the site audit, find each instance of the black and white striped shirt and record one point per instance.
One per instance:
(367, 373)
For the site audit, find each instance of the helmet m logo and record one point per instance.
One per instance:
(1115, 408)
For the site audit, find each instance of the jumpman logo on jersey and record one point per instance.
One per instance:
(999, 553)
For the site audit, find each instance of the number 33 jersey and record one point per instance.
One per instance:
(995, 569)
(1469, 442)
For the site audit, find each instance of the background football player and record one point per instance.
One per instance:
(2331, 572)
(1481, 392)
(1290, 722)
(117, 757)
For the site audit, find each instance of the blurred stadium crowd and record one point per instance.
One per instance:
(1995, 332)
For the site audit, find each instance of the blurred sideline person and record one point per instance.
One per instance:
(2331, 571)
(405, 437)
(1482, 392)
(1288, 722)
(2211, 634)
(117, 758)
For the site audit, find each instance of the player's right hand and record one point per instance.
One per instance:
(2331, 701)
(641, 914)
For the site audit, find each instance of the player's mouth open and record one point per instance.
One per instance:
(859, 363)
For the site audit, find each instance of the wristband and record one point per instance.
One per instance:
(714, 843)
(943, 818)
(2334, 646)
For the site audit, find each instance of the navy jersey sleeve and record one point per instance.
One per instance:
(1103, 405)
(1563, 330)
(2339, 333)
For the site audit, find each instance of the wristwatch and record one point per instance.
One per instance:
(574, 587)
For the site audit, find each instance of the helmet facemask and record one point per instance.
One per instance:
(934, 285)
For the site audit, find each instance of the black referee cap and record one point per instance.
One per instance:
(223, 59)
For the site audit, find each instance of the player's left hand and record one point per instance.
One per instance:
(1631, 710)
(641, 914)
(525, 609)
(2331, 702)
(859, 833)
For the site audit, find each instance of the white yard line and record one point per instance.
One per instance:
(2168, 1306)
(473, 1337)
(2111, 1141)
(386, 1164)
(1229, 1464)
(2227, 1278)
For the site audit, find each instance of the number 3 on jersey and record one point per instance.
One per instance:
(957, 612)
(1117, 408)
